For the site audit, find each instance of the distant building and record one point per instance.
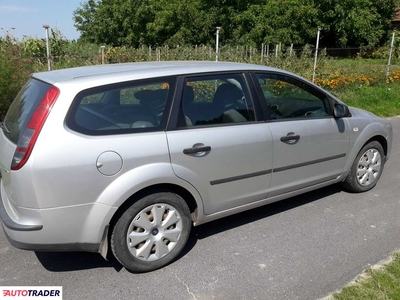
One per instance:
(396, 20)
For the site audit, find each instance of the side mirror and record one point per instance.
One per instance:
(341, 111)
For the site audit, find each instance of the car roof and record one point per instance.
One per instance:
(144, 70)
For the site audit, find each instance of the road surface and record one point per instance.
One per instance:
(303, 248)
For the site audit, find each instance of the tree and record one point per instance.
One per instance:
(158, 22)
(347, 23)
(181, 22)
(84, 18)
(274, 22)
(135, 22)
(114, 22)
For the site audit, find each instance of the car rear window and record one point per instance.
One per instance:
(137, 106)
(23, 107)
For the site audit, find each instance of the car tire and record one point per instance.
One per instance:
(366, 169)
(152, 232)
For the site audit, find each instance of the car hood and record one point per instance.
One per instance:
(362, 113)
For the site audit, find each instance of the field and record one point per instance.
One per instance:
(358, 81)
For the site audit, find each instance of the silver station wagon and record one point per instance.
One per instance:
(129, 157)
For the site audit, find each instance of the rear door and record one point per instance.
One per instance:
(310, 145)
(220, 144)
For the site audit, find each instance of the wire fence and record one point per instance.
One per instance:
(335, 69)
(329, 65)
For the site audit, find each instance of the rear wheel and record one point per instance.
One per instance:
(152, 232)
(366, 169)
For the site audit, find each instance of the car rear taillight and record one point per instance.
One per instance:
(31, 132)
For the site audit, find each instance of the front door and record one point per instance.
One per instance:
(310, 145)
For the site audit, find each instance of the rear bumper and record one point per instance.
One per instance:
(54, 247)
(17, 219)
(69, 228)
(11, 224)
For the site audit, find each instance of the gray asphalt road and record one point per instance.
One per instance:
(302, 248)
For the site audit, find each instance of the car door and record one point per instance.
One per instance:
(310, 145)
(220, 144)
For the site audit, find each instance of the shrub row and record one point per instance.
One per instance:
(18, 59)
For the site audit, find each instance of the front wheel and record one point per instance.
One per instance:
(152, 232)
(366, 169)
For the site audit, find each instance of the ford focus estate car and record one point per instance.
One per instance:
(126, 158)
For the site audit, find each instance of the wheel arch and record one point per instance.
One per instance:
(381, 140)
(358, 145)
(155, 188)
(374, 131)
(352, 182)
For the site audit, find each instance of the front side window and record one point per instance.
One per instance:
(288, 98)
(137, 106)
(216, 99)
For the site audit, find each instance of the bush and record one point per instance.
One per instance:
(14, 71)
(19, 59)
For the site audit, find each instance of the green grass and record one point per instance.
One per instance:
(375, 70)
(382, 283)
(359, 82)
(382, 99)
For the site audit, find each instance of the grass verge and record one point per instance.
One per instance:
(381, 99)
(375, 284)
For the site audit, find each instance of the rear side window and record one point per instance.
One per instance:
(23, 107)
(138, 106)
(215, 100)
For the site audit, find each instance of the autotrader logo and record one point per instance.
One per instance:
(30, 292)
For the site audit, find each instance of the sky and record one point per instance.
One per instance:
(29, 16)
